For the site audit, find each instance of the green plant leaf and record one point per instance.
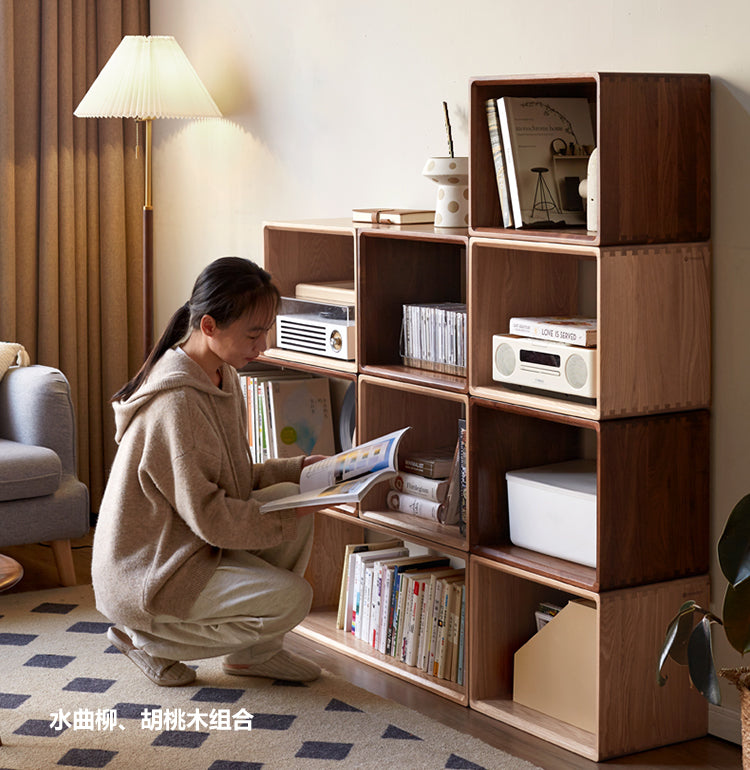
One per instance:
(677, 636)
(734, 544)
(701, 662)
(737, 616)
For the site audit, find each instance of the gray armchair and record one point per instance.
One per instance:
(41, 498)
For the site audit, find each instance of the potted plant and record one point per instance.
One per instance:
(688, 637)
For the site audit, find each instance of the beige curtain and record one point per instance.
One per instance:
(71, 195)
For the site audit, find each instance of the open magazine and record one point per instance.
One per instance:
(345, 477)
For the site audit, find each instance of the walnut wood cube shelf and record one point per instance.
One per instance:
(645, 276)
(653, 132)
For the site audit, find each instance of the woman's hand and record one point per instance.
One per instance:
(312, 459)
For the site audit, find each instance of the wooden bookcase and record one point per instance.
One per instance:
(645, 275)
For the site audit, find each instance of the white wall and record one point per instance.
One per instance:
(337, 103)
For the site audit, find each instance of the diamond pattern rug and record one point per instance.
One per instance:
(70, 699)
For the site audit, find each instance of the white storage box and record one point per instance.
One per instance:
(552, 509)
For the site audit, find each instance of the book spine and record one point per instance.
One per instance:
(424, 624)
(408, 589)
(420, 467)
(377, 587)
(498, 156)
(418, 506)
(421, 486)
(392, 611)
(461, 639)
(455, 630)
(545, 330)
(364, 618)
(385, 609)
(462, 454)
(440, 648)
(412, 638)
(436, 626)
(505, 132)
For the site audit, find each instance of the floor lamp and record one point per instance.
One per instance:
(147, 78)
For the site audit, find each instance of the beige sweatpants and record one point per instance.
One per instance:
(250, 602)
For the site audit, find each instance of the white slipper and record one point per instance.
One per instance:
(283, 665)
(161, 671)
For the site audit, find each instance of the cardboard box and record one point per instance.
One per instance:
(552, 509)
(555, 671)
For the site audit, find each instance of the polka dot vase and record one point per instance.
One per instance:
(452, 178)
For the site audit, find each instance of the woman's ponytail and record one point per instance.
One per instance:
(176, 330)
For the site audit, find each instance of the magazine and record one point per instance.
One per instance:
(345, 477)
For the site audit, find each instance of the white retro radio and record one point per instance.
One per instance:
(544, 365)
(324, 329)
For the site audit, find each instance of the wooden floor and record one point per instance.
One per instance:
(708, 752)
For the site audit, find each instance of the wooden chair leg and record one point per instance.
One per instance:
(63, 554)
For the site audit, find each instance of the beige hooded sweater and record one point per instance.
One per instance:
(179, 492)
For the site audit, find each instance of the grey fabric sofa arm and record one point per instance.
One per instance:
(41, 413)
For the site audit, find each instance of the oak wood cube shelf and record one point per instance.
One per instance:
(631, 712)
(333, 531)
(653, 311)
(653, 131)
(652, 490)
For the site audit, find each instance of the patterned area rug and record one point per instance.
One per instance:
(70, 699)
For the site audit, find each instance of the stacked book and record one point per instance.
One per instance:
(540, 148)
(427, 484)
(433, 336)
(408, 607)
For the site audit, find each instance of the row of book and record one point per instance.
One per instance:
(541, 148)
(411, 608)
(433, 336)
(289, 414)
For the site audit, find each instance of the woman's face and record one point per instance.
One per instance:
(242, 340)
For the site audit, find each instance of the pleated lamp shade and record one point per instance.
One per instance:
(146, 78)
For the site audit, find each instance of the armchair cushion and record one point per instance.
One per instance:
(37, 421)
(27, 471)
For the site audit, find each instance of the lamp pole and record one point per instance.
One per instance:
(148, 250)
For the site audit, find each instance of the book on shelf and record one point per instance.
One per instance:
(393, 216)
(407, 216)
(452, 509)
(414, 484)
(412, 564)
(441, 601)
(349, 549)
(498, 158)
(255, 387)
(346, 476)
(359, 598)
(547, 143)
(300, 417)
(428, 615)
(461, 639)
(431, 463)
(572, 330)
(418, 506)
(338, 292)
(462, 474)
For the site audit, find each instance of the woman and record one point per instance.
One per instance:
(184, 562)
